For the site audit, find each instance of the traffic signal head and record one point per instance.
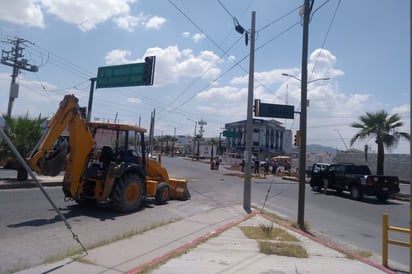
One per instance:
(148, 70)
(257, 107)
(297, 138)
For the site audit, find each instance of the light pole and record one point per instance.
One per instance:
(303, 126)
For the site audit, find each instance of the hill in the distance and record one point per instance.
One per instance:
(320, 149)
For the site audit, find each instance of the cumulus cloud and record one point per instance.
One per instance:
(117, 57)
(22, 12)
(195, 37)
(86, 15)
(155, 22)
(134, 100)
(129, 22)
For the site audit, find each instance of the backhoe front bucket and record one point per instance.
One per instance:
(55, 162)
(179, 190)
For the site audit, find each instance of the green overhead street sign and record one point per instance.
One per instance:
(120, 76)
(231, 134)
(137, 74)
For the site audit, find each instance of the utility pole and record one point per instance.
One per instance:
(201, 124)
(303, 115)
(14, 58)
(247, 186)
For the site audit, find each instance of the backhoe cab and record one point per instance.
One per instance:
(102, 162)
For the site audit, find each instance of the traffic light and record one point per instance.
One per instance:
(256, 107)
(148, 70)
(297, 138)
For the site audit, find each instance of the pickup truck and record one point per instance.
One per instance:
(356, 179)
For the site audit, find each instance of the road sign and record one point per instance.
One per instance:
(231, 134)
(274, 110)
(136, 74)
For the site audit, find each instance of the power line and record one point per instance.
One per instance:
(327, 32)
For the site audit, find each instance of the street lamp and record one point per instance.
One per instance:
(311, 81)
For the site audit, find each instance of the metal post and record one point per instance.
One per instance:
(410, 147)
(303, 118)
(385, 225)
(247, 187)
(194, 142)
(89, 108)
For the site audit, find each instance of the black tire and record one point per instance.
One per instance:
(22, 175)
(356, 193)
(127, 193)
(86, 202)
(382, 197)
(317, 188)
(162, 193)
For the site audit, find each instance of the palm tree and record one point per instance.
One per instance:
(383, 128)
(212, 142)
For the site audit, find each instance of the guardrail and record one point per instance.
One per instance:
(386, 241)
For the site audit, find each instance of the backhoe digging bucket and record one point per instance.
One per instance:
(55, 161)
(179, 190)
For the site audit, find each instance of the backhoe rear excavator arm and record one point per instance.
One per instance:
(50, 161)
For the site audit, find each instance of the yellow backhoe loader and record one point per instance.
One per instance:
(102, 162)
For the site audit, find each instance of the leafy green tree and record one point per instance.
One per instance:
(24, 133)
(384, 129)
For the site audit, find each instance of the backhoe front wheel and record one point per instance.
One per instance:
(162, 193)
(127, 193)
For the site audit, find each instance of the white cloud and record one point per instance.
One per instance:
(129, 22)
(195, 37)
(134, 100)
(22, 12)
(198, 36)
(155, 22)
(117, 57)
(86, 15)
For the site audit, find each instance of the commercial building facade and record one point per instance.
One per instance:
(269, 138)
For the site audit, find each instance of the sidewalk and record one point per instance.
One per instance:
(211, 242)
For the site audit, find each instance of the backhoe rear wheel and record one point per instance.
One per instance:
(127, 193)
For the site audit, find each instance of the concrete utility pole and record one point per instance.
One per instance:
(410, 130)
(247, 186)
(201, 124)
(303, 115)
(14, 58)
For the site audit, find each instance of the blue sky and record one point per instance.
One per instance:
(202, 62)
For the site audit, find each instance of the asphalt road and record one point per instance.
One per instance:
(30, 230)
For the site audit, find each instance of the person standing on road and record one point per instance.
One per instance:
(217, 162)
(257, 166)
(267, 164)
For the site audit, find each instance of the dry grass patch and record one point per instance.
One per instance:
(264, 233)
(275, 240)
(283, 249)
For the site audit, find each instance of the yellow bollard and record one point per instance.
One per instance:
(385, 239)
